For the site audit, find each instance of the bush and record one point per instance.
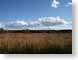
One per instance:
(1, 29)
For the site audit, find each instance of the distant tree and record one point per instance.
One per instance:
(1, 29)
(27, 30)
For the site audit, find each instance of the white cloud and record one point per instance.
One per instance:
(52, 21)
(68, 4)
(34, 23)
(55, 3)
(1, 25)
(21, 22)
(43, 23)
(70, 22)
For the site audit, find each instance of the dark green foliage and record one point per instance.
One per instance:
(1, 29)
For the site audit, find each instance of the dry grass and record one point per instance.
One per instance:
(19, 43)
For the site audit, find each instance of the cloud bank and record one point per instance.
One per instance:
(42, 23)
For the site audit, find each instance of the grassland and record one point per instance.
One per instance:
(36, 42)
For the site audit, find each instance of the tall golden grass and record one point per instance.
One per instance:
(22, 43)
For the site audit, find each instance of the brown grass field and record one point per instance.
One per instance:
(56, 42)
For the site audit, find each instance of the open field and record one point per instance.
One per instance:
(33, 42)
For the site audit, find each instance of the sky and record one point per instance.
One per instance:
(36, 14)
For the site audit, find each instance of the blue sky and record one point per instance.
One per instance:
(13, 10)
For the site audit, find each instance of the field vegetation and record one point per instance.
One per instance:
(35, 41)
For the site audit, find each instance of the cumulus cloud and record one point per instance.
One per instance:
(70, 22)
(55, 3)
(15, 25)
(1, 25)
(34, 23)
(52, 21)
(42, 23)
(21, 22)
(68, 4)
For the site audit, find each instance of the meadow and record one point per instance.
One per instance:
(36, 42)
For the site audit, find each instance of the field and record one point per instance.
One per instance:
(36, 42)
